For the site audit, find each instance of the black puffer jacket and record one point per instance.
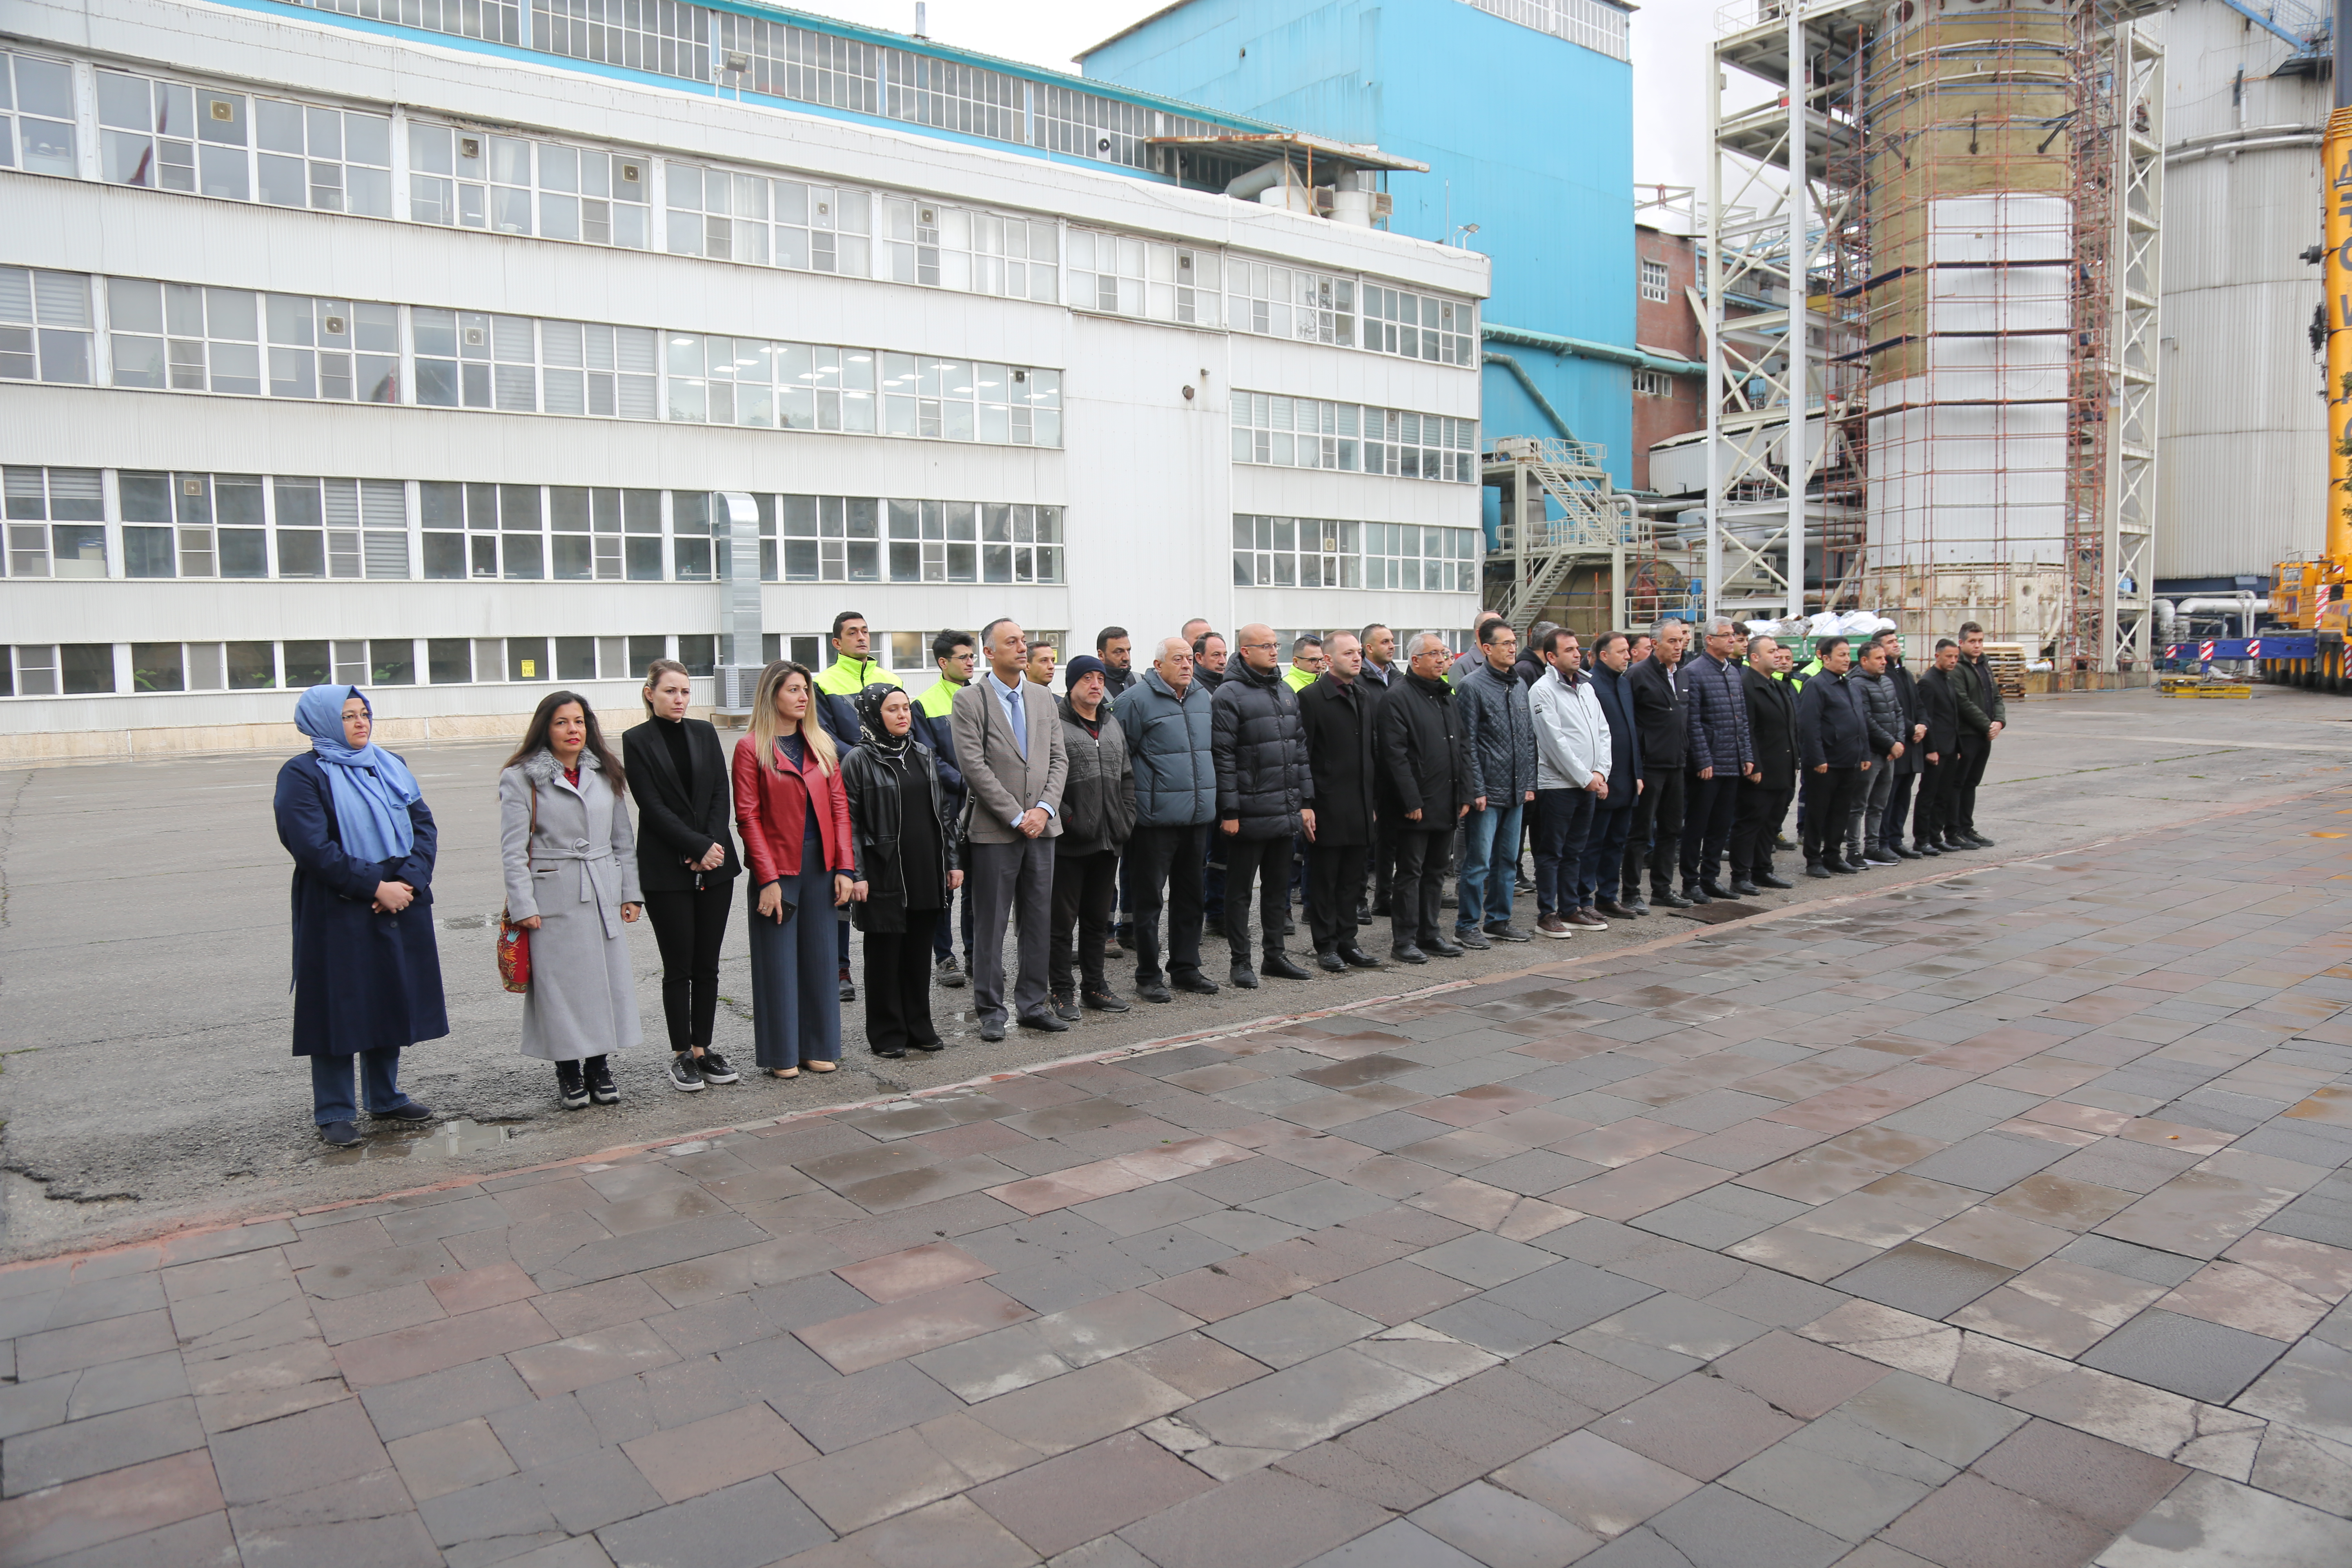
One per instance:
(1833, 723)
(1098, 800)
(1420, 753)
(1260, 749)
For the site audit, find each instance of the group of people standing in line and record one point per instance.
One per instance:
(1358, 776)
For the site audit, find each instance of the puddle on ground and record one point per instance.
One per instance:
(443, 1141)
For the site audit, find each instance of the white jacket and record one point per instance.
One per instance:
(1572, 740)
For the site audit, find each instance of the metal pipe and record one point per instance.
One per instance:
(1585, 348)
(2232, 145)
(1265, 178)
(1535, 394)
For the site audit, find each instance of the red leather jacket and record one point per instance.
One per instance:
(770, 809)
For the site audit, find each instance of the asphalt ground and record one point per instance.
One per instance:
(146, 1081)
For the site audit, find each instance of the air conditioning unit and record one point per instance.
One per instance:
(738, 685)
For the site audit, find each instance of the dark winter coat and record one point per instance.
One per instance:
(1832, 726)
(1717, 700)
(1499, 733)
(1168, 743)
(1099, 796)
(1980, 695)
(678, 819)
(1418, 747)
(1660, 707)
(1263, 780)
(877, 807)
(1773, 726)
(1906, 702)
(1117, 681)
(1338, 717)
(363, 981)
(1882, 711)
(1626, 765)
(1940, 710)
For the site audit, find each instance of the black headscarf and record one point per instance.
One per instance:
(872, 730)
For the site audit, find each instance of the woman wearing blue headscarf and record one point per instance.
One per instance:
(367, 973)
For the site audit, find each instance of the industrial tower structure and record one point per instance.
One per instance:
(1946, 408)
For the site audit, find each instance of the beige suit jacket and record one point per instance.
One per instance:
(1003, 783)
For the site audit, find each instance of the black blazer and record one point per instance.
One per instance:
(676, 825)
(1339, 720)
(1772, 723)
(1940, 710)
(1662, 711)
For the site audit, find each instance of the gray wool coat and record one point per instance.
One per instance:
(574, 873)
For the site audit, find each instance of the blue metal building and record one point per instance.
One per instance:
(1523, 110)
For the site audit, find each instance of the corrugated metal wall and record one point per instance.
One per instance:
(2244, 474)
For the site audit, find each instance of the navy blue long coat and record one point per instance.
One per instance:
(362, 981)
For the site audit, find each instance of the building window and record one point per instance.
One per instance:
(938, 246)
(689, 526)
(820, 229)
(325, 159)
(521, 532)
(747, 381)
(393, 662)
(36, 121)
(1656, 282)
(341, 528)
(449, 661)
(699, 654)
(494, 21)
(472, 359)
(250, 666)
(715, 214)
(1420, 326)
(1653, 383)
(157, 667)
(1129, 276)
(837, 539)
(1402, 556)
(1307, 433)
(956, 400)
(665, 37)
(934, 542)
(45, 326)
(510, 184)
(1296, 553)
(526, 659)
(606, 373)
(55, 523)
(172, 334)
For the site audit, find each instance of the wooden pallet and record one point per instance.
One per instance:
(2007, 662)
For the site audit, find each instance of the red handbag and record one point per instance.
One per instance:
(514, 941)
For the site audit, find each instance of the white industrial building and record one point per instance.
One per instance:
(336, 344)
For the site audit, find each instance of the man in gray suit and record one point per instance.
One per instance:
(1008, 742)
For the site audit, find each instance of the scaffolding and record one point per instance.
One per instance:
(1539, 554)
(1973, 199)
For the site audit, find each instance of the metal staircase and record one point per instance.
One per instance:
(1597, 523)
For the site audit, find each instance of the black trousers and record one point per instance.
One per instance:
(1928, 818)
(1268, 860)
(1657, 836)
(1976, 750)
(1761, 809)
(1422, 858)
(1384, 862)
(899, 984)
(690, 928)
(1898, 805)
(1086, 892)
(1829, 805)
(1335, 886)
(1707, 823)
(1166, 866)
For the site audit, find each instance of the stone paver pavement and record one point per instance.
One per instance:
(1995, 1220)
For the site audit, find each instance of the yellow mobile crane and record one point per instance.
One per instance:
(2306, 648)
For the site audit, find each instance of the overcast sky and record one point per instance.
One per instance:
(1669, 57)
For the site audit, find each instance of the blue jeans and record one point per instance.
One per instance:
(1489, 867)
(332, 1096)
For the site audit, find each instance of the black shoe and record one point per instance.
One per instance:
(1973, 837)
(1469, 937)
(1953, 844)
(1508, 933)
(1634, 905)
(1876, 856)
(1815, 869)
(1289, 926)
(1355, 957)
(682, 1075)
(1900, 853)
(598, 1071)
(1614, 909)
(848, 986)
(1405, 952)
(1379, 907)
(571, 1086)
(1766, 879)
(715, 1068)
(407, 1110)
(1328, 960)
(1281, 966)
(1925, 850)
(1063, 1009)
(1195, 984)
(894, 1054)
(1839, 867)
(1363, 916)
(1666, 898)
(992, 1029)
(1694, 894)
(1240, 978)
(1102, 1001)
(339, 1134)
(1047, 1023)
(1742, 888)
(1715, 890)
(1442, 948)
(1152, 991)
(948, 973)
